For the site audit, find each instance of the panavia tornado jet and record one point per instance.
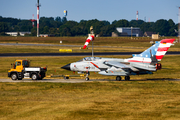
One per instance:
(146, 62)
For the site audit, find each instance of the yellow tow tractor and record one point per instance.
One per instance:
(22, 70)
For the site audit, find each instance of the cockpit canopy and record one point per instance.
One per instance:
(90, 59)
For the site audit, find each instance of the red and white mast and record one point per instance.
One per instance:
(38, 18)
(137, 15)
(32, 20)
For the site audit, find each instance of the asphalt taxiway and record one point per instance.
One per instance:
(74, 54)
(79, 80)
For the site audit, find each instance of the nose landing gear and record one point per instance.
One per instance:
(87, 78)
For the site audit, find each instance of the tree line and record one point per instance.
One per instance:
(62, 27)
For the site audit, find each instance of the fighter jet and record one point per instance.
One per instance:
(146, 62)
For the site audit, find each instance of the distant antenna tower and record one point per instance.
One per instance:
(38, 5)
(32, 20)
(137, 15)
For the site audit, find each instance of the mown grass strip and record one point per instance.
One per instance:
(95, 100)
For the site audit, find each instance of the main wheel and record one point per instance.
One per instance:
(14, 76)
(86, 78)
(34, 77)
(127, 78)
(118, 78)
(66, 77)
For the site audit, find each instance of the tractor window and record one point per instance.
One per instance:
(15, 65)
(25, 64)
(18, 63)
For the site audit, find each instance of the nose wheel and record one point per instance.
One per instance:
(87, 78)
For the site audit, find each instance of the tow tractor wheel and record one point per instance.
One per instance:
(127, 78)
(86, 78)
(14, 76)
(118, 78)
(34, 76)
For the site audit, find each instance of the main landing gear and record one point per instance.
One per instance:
(118, 78)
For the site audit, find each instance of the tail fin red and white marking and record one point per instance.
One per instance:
(154, 53)
(90, 38)
(163, 48)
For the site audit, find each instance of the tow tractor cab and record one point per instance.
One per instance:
(21, 69)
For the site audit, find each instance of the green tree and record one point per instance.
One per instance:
(66, 31)
(147, 27)
(16, 28)
(172, 28)
(76, 31)
(136, 23)
(58, 19)
(25, 25)
(122, 23)
(34, 31)
(97, 26)
(52, 31)
(114, 22)
(83, 27)
(68, 27)
(107, 30)
(3, 27)
(162, 27)
(64, 20)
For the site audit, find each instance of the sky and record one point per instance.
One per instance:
(109, 10)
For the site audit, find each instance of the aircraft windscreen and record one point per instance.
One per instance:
(89, 59)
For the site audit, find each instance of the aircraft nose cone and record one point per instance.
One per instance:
(67, 67)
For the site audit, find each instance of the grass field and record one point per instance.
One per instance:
(117, 44)
(114, 41)
(55, 49)
(146, 97)
(145, 100)
(73, 40)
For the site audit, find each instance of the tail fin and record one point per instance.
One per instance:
(154, 53)
(163, 48)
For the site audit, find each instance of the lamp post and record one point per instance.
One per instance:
(131, 31)
(91, 33)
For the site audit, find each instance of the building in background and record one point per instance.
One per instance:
(129, 31)
(17, 33)
(148, 34)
